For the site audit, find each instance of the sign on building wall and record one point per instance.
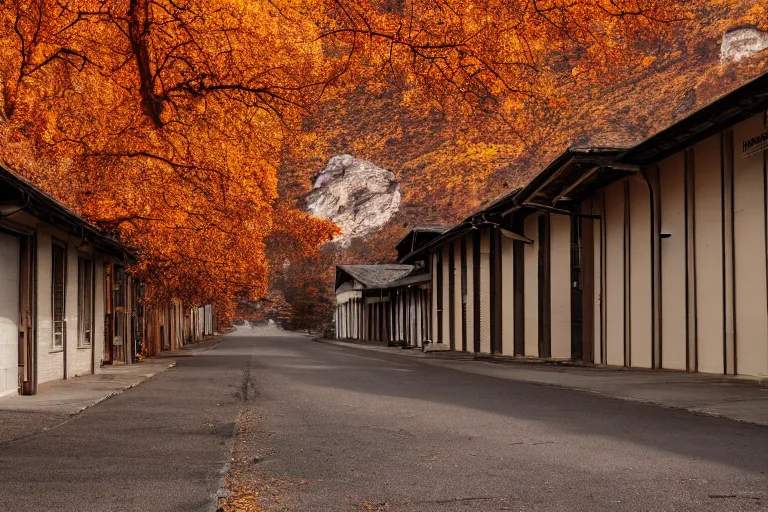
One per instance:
(754, 145)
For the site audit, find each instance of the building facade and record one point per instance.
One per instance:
(68, 306)
(55, 275)
(653, 256)
(388, 302)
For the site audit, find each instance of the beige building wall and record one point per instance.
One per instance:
(531, 286)
(708, 243)
(98, 312)
(507, 297)
(78, 356)
(749, 189)
(485, 291)
(402, 310)
(9, 313)
(457, 294)
(673, 263)
(50, 360)
(614, 273)
(445, 301)
(560, 282)
(640, 275)
(470, 332)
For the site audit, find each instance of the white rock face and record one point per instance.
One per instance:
(742, 42)
(356, 195)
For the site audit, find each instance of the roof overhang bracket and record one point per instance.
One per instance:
(576, 183)
(515, 236)
(559, 211)
(505, 232)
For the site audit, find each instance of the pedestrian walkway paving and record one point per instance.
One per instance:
(57, 401)
(713, 395)
(73, 395)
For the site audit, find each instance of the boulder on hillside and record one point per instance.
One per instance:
(357, 195)
(741, 42)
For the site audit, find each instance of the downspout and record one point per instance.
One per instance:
(655, 271)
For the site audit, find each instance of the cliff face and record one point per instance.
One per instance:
(356, 195)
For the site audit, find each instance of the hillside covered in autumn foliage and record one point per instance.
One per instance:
(190, 128)
(450, 163)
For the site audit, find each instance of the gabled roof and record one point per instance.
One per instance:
(373, 276)
(46, 208)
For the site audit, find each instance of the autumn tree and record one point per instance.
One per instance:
(164, 121)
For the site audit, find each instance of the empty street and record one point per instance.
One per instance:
(328, 428)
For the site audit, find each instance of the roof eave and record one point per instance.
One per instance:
(43, 205)
(746, 101)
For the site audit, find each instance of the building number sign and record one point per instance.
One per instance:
(754, 145)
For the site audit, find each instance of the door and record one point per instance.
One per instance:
(119, 340)
(9, 313)
(59, 298)
(108, 315)
(577, 290)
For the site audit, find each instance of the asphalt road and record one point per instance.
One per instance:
(337, 429)
(326, 428)
(162, 445)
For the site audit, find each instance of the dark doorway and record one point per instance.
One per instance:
(439, 295)
(577, 287)
(545, 291)
(27, 375)
(108, 314)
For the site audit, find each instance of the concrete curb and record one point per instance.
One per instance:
(222, 493)
(373, 348)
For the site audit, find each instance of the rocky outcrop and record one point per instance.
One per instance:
(356, 195)
(742, 42)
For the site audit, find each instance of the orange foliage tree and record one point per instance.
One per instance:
(165, 121)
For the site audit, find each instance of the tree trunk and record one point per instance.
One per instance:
(138, 32)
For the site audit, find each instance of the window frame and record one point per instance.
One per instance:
(85, 295)
(62, 246)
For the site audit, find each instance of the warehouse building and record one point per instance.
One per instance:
(653, 256)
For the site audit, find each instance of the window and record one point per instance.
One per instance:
(84, 302)
(58, 284)
(118, 297)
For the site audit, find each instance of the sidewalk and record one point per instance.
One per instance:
(58, 401)
(713, 395)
